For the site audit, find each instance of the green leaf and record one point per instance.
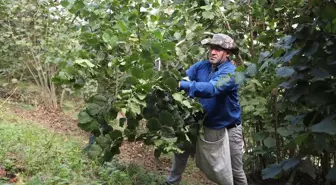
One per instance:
(131, 80)
(149, 74)
(166, 118)
(84, 117)
(113, 40)
(137, 72)
(132, 123)
(278, 9)
(290, 163)
(153, 124)
(271, 172)
(84, 63)
(289, 55)
(285, 72)
(284, 132)
(93, 109)
(89, 126)
(106, 36)
(95, 151)
(65, 3)
(318, 99)
(141, 96)
(178, 97)
(240, 68)
(223, 81)
(158, 142)
(239, 78)
(260, 136)
(156, 47)
(251, 70)
(122, 122)
(270, 142)
(177, 35)
(135, 108)
(311, 49)
(307, 167)
(320, 73)
(103, 141)
(108, 154)
(287, 84)
(168, 132)
(328, 11)
(260, 150)
(77, 6)
(115, 134)
(150, 111)
(301, 138)
(263, 55)
(99, 99)
(171, 83)
(328, 125)
(121, 25)
(208, 15)
(186, 103)
(255, 81)
(158, 34)
(320, 142)
(207, 7)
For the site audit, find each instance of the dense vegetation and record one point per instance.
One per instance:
(33, 155)
(127, 56)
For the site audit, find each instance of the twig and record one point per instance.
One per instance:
(182, 41)
(8, 97)
(239, 60)
(251, 27)
(179, 43)
(208, 33)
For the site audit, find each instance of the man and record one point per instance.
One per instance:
(219, 99)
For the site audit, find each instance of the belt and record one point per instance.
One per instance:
(233, 125)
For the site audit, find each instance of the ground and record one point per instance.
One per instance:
(66, 124)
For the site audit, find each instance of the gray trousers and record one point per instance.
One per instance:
(236, 151)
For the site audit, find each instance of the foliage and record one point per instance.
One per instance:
(34, 42)
(307, 70)
(127, 56)
(293, 118)
(133, 41)
(37, 156)
(129, 44)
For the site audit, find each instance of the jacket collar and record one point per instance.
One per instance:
(217, 67)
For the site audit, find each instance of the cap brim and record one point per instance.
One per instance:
(212, 42)
(207, 42)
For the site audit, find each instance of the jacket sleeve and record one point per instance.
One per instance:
(221, 84)
(191, 72)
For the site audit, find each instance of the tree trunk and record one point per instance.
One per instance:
(263, 162)
(276, 125)
(325, 163)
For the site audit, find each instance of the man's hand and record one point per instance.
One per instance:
(184, 79)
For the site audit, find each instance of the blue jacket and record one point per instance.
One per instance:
(217, 92)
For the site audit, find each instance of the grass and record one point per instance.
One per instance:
(38, 156)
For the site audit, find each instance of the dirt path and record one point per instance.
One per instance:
(136, 153)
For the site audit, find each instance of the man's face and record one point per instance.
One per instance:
(217, 54)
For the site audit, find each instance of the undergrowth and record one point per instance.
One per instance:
(36, 156)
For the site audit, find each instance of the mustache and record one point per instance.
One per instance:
(213, 56)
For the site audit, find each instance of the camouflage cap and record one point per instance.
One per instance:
(222, 40)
